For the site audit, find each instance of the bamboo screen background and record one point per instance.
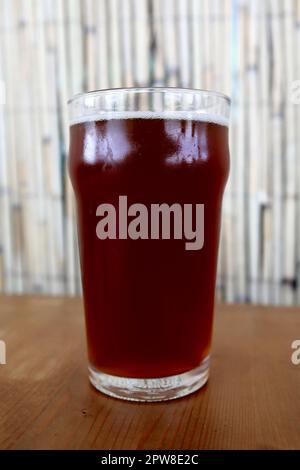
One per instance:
(51, 49)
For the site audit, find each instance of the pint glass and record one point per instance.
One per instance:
(148, 167)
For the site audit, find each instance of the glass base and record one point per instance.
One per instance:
(164, 388)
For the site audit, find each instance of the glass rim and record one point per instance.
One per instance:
(104, 91)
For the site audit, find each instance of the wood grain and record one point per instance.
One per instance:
(251, 400)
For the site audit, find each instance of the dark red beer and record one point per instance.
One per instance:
(148, 303)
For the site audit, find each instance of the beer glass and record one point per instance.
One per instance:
(148, 167)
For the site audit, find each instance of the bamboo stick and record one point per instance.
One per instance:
(5, 228)
(197, 27)
(184, 46)
(296, 106)
(76, 85)
(238, 167)
(14, 97)
(290, 163)
(126, 43)
(170, 40)
(276, 145)
(141, 42)
(159, 53)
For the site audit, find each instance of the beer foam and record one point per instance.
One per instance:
(165, 115)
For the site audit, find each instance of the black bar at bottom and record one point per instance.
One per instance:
(135, 459)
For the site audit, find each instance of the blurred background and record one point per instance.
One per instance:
(52, 49)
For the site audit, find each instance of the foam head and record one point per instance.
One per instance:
(167, 115)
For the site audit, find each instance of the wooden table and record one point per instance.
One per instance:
(252, 400)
